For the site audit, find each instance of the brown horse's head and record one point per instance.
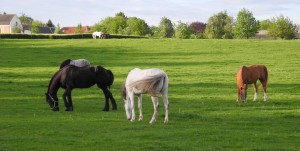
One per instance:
(243, 92)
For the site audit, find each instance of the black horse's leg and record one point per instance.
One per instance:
(70, 108)
(106, 93)
(112, 100)
(68, 102)
(65, 99)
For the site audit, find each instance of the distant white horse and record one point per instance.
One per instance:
(151, 81)
(97, 34)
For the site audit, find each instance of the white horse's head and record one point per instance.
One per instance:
(128, 109)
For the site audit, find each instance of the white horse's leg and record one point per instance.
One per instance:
(166, 103)
(265, 96)
(155, 106)
(140, 107)
(131, 96)
(255, 91)
(255, 96)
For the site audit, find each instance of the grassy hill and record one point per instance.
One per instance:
(203, 114)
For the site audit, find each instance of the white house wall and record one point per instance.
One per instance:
(13, 22)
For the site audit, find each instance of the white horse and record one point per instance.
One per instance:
(151, 81)
(97, 34)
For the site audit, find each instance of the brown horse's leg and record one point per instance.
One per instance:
(238, 95)
(255, 91)
(264, 85)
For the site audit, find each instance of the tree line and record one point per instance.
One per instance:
(218, 26)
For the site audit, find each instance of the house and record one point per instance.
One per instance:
(72, 30)
(46, 30)
(8, 22)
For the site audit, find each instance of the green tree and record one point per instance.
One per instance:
(136, 26)
(120, 24)
(35, 26)
(183, 30)
(79, 29)
(219, 26)
(49, 23)
(166, 29)
(57, 29)
(112, 25)
(264, 24)
(282, 27)
(26, 21)
(16, 29)
(245, 26)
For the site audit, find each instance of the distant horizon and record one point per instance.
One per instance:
(90, 12)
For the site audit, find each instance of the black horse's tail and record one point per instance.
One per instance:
(111, 78)
(64, 63)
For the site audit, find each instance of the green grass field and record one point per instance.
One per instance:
(203, 115)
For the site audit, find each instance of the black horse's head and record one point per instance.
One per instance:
(105, 77)
(52, 102)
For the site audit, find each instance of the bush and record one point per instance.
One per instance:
(59, 36)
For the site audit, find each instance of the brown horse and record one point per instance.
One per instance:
(249, 75)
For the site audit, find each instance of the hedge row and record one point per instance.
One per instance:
(59, 36)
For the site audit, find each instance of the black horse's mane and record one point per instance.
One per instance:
(64, 63)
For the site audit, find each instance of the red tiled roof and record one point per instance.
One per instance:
(71, 30)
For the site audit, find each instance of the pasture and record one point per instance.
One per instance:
(203, 112)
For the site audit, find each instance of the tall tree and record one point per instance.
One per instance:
(219, 26)
(245, 26)
(49, 23)
(79, 29)
(35, 26)
(198, 27)
(282, 27)
(264, 24)
(183, 30)
(166, 29)
(57, 29)
(25, 21)
(136, 26)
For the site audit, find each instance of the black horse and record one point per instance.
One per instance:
(70, 77)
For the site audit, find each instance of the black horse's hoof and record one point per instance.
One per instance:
(115, 108)
(70, 109)
(55, 109)
(106, 110)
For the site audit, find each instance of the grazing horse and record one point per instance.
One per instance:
(97, 34)
(104, 36)
(78, 63)
(151, 81)
(249, 75)
(70, 77)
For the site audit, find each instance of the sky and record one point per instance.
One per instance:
(90, 12)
